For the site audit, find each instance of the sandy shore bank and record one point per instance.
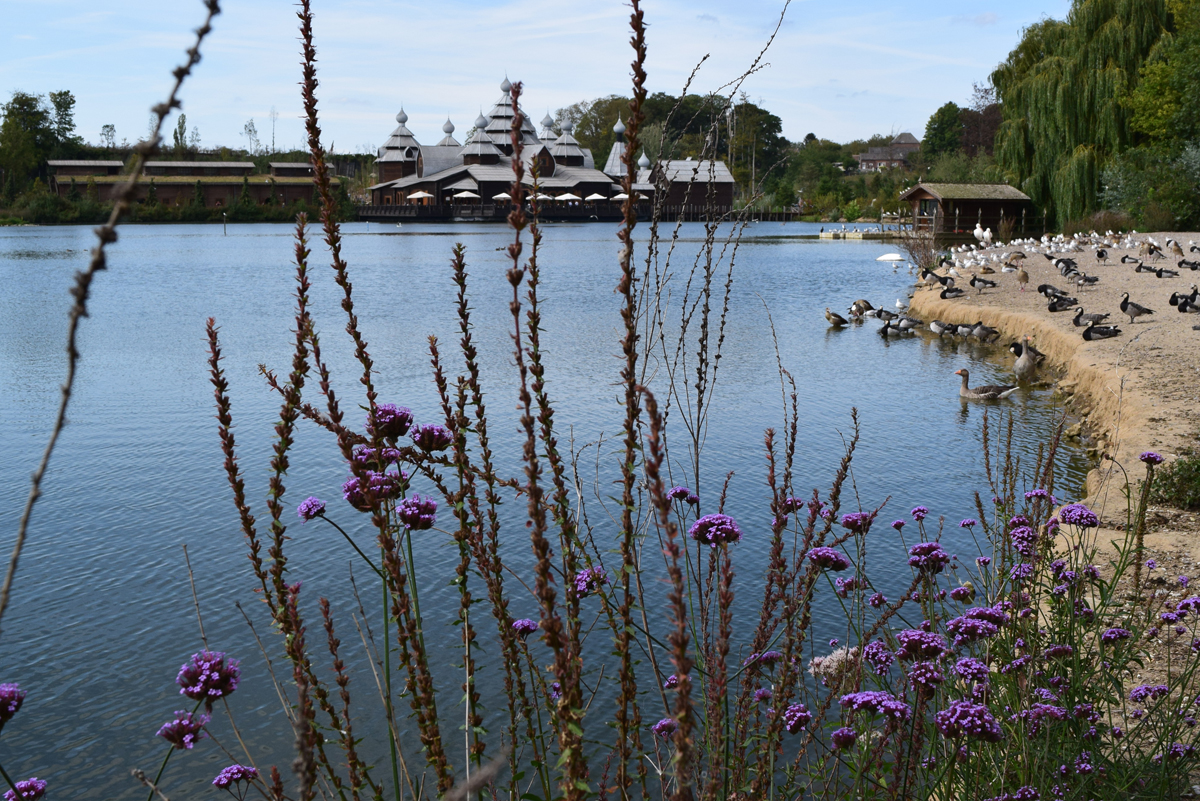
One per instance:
(1136, 392)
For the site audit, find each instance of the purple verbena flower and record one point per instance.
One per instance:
(968, 523)
(1058, 651)
(185, 730)
(919, 513)
(714, 529)
(555, 691)
(365, 493)
(926, 677)
(795, 718)
(828, 558)
(678, 493)
(417, 513)
(1183, 581)
(1037, 493)
(916, 644)
(898, 524)
(235, 775)
(1151, 564)
(1076, 514)
(1021, 572)
(31, 789)
(1191, 604)
(928, 557)
(1150, 692)
(311, 507)
(590, 580)
(432, 437)
(671, 683)
(1177, 750)
(208, 677)
(11, 698)
(1151, 458)
(983, 561)
(877, 655)
(971, 669)
(965, 719)
(1024, 540)
(367, 457)
(762, 694)
(877, 702)
(665, 728)
(858, 522)
(1115, 635)
(524, 627)
(390, 421)
(968, 629)
(844, 586)
(962, 594)
(844, 738)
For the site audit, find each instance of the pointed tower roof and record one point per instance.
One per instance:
(401, 145)
(547, 135)
(644, 161)
(566, 148)
(448, 140)
(480, 144)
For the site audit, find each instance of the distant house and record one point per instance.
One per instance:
(221, 182)
(894, 155)
(958, 208)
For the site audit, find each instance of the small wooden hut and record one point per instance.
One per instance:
(959, 208)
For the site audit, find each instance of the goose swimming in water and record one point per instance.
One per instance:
(1134, 310)
(1026, 365)
(991, 392)
(939, 328)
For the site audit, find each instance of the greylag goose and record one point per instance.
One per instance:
(1132, 309)
(994, 392)
(1082, 319)
(835, 319)
(1025, 366)
(1094, 332)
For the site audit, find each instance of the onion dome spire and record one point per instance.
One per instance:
(448, 128)
(505, 86)
(402, 117)
(644, 161)
(619, 128)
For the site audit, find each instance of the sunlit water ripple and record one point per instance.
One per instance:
(102, 615)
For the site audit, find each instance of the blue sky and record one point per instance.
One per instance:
(840, 70)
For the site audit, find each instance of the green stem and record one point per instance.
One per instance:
(161, 767)
(8, 779)
(354, 545)
(387, 683)
(412, 583)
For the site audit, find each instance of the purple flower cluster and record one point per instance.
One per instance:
(858, 522)
(712, 530)
(928, 557)
(1041, 493)
(309, 508)
(1191, 604)
(590, 580)
(665, 728)
(877, 702)
(370, 458)
(372, 488)
(390, 421)
(844, 586)
(916, 644)
(1176, 751)
(919, 513)
(1076, 514)
(185, 730)
(898, 524)
(877, 655)
(1024, 540)
(417, 513)
(235, 775)
(208, 677)
(524, 627)
(926, 677)
(968, 523)
(844, 738)
(432, 437)
(795, 718)
(962, 594)
(1151, 692)
(1039, 712)
(828, 558)
(1115, 635)
(683, 494)
(762, 694)
(1021, 572)
(1151, 458)
(11, 698)
(555, 691)
(969, 629)
(31, 789)
(877, 600)
(671, 683)
(1026, 793)
(965, 719)
(971, 669)
(1058, 651)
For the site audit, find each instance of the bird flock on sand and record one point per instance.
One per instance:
(978, 268)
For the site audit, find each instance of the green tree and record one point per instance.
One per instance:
(244, 197)
(64, 117)
(151, 194)
(1064, 97)
(198, 195)
(26, 138)
(180, 137)
(1166, 102)
(73, 194)
(943, 132)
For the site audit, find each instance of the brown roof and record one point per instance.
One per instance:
(968, 192)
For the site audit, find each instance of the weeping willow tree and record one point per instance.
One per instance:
(1064, 94)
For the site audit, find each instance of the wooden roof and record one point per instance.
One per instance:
(967, 192)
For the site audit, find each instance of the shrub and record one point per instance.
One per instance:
(1178, 484)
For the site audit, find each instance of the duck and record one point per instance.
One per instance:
(1095, 332)
(1022, 277)
(1175, 248)
(992, 392)
(1082, 319)
(835, 319)
(1026, 365)
(1134, 310)
(950, 293)
(982, 283)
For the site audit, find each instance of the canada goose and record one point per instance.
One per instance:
(950, 293)
(835, 319)
(1025, 366)
(1094, 332)
(1022, 276)
(981, 283)
(991, 392)
(1082, 319)
(1132, 309)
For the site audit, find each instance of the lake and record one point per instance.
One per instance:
(102, 613)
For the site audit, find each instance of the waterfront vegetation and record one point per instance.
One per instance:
(1018, 671)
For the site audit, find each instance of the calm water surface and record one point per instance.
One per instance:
(102, 614)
